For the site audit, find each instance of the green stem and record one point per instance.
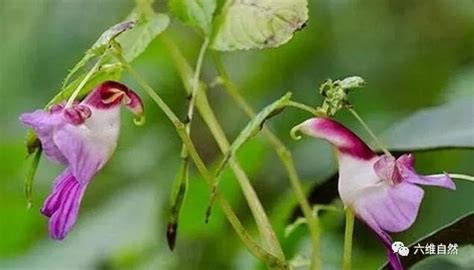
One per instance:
(346, 259)
(269, 238)
(178, 195)
(379, 143)
(181, 181)
(456, 176)
(286, 158)
(251, 245)
(195, 88)
(84, 81)
(303, 107)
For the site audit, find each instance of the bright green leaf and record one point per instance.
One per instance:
(257, 24)
(148, 27)
(448, 125)
(30, 176)
(254, 126)
(99, 47)
(197, 13)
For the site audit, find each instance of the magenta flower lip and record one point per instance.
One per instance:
(111, 93)
(382, 191)
(82, 137)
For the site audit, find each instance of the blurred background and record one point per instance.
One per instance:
(413, 54)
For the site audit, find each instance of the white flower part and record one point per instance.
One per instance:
(355, 177)
(89, 146)
(104, 128)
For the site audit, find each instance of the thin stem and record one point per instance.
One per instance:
(251, 245)
(84, 81)
(303, 107)
(269, 238)
(456, 176)
(181, 181)
(197, 72)
(312, 221)
(285, 156)
(346, 259)
(379, 143)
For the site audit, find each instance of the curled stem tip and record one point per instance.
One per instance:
(139, 121)
(293, 132)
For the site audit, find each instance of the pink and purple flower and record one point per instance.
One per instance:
(382, 191)
(82, 137)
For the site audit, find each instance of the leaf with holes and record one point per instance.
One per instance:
(257, 24)
(197, 13)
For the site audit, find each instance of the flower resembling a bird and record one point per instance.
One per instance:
(382, 191)
(82, 136)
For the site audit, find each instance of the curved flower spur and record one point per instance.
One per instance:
(82, 136)
(382, 191)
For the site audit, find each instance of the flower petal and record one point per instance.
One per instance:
(338, 135)
(405, 164)
(44, 123)
(64, 218)
(393, 208)
(52, 203)
(85, 153)
(62, 205)
(386, 240)
(386, 168)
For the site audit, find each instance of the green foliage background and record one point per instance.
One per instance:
(413, 54)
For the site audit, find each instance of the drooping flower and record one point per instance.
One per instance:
(382, 191)
(83, 137)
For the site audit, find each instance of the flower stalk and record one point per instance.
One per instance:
(244, 236)
(371, 133)
(270, 241)
(347, 255)
(84, 81)
(181, 182)
(304, 107)
(286, 158)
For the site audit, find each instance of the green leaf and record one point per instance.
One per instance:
(448, 125)
(105, 72)
(99, 47)
(30, 176)
(256, 24)
(148, 27)
(197, 13)
(254, 126)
